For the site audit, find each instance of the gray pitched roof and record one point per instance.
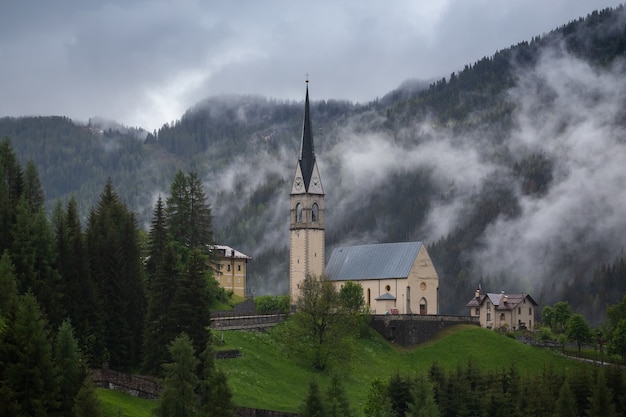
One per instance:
(385, 296)
(380, 261)
(497, 299)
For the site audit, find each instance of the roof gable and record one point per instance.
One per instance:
(376, 261)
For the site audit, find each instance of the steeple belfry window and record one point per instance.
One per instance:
(314, 210)
(298, 213)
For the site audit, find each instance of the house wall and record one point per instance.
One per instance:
(493, 318)
(231, 274)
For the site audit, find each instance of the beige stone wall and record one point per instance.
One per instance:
(424, 284)
(306, 257)
(231, 274)
(307, 240)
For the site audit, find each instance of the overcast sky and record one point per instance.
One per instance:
(144, 62)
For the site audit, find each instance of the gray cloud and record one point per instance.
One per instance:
(144, 63)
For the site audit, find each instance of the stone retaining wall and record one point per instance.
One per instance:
(413, 329)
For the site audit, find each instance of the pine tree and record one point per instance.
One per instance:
(566, 403)
(34, 256)
(190, 306)
(11, 186)
(214, 393)
(86, 403)
(201, 233)
(188, 213)
(115, 260)
(423, 399)
(71, 369)
(33, 191)
(78, 285)
(8, 287)
(157, 239)
(178, 209)
(161, 322)
(312, 405)
(29, 384)
(337, 404)
(178, 396)
(601, 403)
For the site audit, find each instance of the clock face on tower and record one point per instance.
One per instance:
(298, 183)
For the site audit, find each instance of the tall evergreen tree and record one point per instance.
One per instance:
(78, 284)
(601, 402)
(115, 261)
(188, 213)
(566, 403)
(313, 405)
(157, 239)
(161, 322)
(29, 385)
(423, 399)
(71, 372)
(33, 191)
(213, 390)
(178, 208)
(87, 403)
(190, 306)
(11, 186)
(337, 404)
(178, 396)
(34, 256)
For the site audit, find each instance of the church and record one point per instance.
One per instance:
(397, 278)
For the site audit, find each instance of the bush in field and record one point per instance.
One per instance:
(272, 304)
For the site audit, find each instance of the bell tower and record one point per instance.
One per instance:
(306, 213)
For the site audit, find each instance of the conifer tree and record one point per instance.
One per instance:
(188, 213)
(33, 191)
(157, 239)
(161, 322)
(86, 403)
(29, 384)
(8, 287)
(423, 399)
(337, 404)
(601, 402)
(78, 285)
(115, 261)
(566, 403)
(71, 370)
(11, 186)
(214, 393)
(178, 396)
(312, 405)
(34, 256)
(190, 306)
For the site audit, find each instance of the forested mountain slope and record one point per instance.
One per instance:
(511, 170)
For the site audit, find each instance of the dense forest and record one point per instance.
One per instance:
(510, 169)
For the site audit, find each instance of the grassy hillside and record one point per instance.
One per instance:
(263, 378)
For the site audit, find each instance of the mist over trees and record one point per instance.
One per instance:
(509, 169)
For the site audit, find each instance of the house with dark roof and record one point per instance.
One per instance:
(397, 278)
(503, 310)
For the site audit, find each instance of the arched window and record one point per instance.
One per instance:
(298, 213)
(314, 210)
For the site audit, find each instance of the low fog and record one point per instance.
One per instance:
(564, 109)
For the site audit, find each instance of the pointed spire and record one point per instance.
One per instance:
(307, 154)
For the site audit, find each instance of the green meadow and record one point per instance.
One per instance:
(264, 378)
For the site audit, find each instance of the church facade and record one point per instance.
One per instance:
(397, 278)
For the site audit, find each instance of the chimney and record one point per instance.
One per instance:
(477, 293)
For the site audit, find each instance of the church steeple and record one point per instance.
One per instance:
(306, 207)
(307, 152)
